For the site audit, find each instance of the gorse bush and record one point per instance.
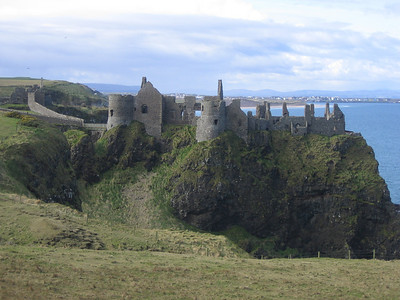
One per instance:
(13, 114)
(25, 120)
(29, 121)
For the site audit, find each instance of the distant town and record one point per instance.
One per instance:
(251, 101)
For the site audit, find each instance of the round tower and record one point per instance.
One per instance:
(212, 121)
(120, 110)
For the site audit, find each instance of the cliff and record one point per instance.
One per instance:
(312, 193)
(275, 192)
(35, 161)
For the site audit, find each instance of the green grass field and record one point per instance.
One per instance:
(68, 89)
(40, 273)
(9, 126)
(162, 264)
(19, 81)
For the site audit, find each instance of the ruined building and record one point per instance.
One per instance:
(153, 109)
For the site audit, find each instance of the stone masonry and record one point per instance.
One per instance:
(154, 110)
(151, 108)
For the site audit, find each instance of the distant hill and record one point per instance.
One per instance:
(60, 91)
(106, 88)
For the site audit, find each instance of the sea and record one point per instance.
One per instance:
(379, 125)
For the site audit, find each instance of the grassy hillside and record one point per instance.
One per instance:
(34, 160)
(8, 85)
(44, 255)
(62, 92)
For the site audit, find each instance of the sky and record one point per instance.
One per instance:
(186, 46)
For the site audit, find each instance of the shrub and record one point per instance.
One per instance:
(14, 114)
(29, 121)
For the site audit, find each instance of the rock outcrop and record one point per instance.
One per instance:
(36, 160)
(312, 193)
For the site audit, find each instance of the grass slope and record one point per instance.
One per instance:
(64, 90)
(167, 264)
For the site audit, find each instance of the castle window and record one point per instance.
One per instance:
(215, 122)
(144, 109)
(202, 108)
(111, 112)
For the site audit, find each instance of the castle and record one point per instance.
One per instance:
(154, 110)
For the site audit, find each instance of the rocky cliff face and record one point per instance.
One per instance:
(311, 193)
(36, 160)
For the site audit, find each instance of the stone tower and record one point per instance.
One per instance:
(120, 110)
(213, 119)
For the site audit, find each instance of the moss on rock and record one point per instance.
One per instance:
(313, 193)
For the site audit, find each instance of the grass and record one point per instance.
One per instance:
(8, 85)
(39, 273)
(59, 88)
(19, 81)
(21, 107)
(74, 136)
(27, 222)
(9, 126)
(167, 264)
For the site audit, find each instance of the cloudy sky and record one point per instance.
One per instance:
(187, 45)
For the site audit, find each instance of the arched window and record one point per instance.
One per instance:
(144, 109)
(111, 112)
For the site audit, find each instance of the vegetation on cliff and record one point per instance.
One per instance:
(311, 193)
(275, 195)
(326, 193)
(34, 160)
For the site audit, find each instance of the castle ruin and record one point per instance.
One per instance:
(154, 110)
(151, 108)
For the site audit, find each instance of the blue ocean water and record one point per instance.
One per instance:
(378, 123)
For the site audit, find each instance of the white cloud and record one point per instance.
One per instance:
(190, 44)
(100, 9)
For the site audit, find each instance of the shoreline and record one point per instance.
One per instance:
(279, 105)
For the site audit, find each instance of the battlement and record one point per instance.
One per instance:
(331, 124)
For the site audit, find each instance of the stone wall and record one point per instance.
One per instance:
(330, 124)
(153, 109)
(190, 108)
(179, 113)
(236, 120)
(19, 96)
(49, 115)
(148, 109)
(173, 113)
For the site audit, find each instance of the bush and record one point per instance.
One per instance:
(14, 114)
(29, 121)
